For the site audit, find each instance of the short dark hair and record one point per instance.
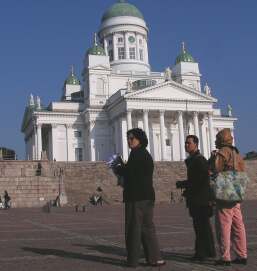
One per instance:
(195, 139)
(140, 135)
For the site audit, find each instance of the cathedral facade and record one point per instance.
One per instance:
(119, 91)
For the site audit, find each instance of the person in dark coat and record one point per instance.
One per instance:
(139, 198)
(198, 198)
(7, 200)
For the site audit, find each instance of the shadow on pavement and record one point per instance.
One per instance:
(114, 250)
(74, 255)
(184, 258)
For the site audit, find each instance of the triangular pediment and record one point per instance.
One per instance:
(170, 91)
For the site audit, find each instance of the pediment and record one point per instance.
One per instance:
(99, 67)
(170, 91)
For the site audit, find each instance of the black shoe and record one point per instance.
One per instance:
(223, 263)
(240, 261)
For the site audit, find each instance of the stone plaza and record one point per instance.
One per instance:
(63, 239)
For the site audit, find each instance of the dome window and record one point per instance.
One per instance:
(132, 53)
(121, 53)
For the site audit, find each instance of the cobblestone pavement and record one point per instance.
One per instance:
(31, 239)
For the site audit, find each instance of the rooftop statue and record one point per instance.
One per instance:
(129, 85)
(167, 74)
(38, 102)
(31, 100)
(207, 90)
(229, 107)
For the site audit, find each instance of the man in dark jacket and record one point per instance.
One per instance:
(198, 196)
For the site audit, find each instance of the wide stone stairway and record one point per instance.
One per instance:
(34, 183)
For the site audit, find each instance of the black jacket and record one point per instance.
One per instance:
(198, 190)
(138, 175)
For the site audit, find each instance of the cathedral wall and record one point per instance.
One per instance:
(116, 83)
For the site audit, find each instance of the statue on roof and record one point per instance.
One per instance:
(38, 102)
(207, 90)
(129, 85)
(31, 100)
(229, 107)
(167, 74)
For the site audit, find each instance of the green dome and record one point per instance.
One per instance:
(96, 50)
(122, 9)
(72, 79)
(184, 56)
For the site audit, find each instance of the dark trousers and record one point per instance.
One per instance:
(204, 241)
(140, 229)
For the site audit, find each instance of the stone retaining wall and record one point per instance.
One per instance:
(81, 179)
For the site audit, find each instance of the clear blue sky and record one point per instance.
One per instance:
(39, 40)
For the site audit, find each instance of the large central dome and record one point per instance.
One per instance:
(121, 8)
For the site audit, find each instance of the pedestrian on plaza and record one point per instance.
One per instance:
(139, 198)
(7, 200)
(229, 220)
(198, 199)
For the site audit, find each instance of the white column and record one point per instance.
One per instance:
(123, 136)
(39, 141)
(211, 131)
(196, 125)
(181, 136)
(105, 46)
(129, 119)
(68, 142)
(92, 141)
(146, 126)
(163, 143)
(114, 46)
(204, 148)
(233, 135)
(54, 142)
(146, 51)
(126, 45)
(34, 143)
(137, 47)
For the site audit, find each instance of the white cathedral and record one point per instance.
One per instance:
(119, 91)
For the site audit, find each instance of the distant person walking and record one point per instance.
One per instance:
(139, 198)
(229, 220)
(7, 200)
(198, 197)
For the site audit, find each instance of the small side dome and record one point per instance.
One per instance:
(96, 49)
(184, 56)
(72, 78)
(121, 8)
